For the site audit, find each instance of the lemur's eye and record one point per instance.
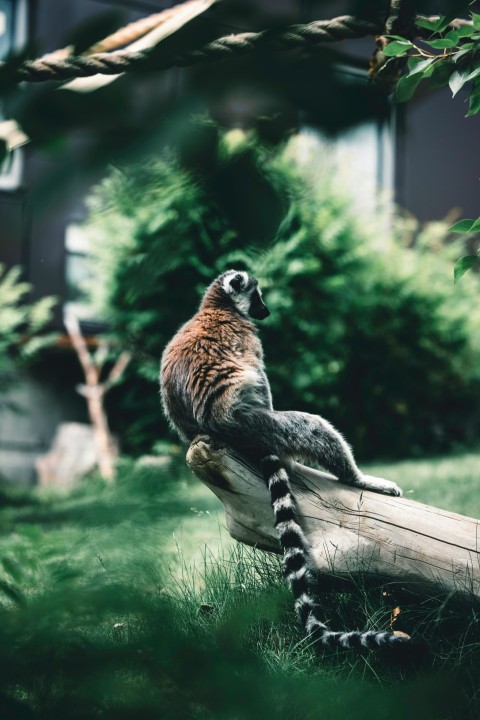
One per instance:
(236, 283)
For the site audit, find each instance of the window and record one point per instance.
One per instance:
(360, 159)
(77, 269)
(13, 36)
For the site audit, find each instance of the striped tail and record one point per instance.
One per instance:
(299, 575)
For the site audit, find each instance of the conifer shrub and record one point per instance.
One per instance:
(20, 324)
(365, 330)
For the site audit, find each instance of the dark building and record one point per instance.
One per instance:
(422, 153)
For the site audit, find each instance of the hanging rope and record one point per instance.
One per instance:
(401, 18)
(295, 36)
(386, 71)
(58, 68)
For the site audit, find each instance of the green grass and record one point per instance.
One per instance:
(451, 483)
(131, 601)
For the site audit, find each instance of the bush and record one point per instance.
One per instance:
(20, 322)
(363, 330)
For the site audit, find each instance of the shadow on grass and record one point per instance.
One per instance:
(116, 650)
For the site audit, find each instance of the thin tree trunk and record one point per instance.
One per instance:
(94, 392)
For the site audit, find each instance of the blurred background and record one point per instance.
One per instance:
(129, 197)
(121, 198)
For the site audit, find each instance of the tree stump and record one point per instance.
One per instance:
(418, 547)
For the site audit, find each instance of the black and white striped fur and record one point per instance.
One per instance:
(299, 575)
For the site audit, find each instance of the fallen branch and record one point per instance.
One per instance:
(350, 532)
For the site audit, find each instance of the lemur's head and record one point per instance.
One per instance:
(243, 290)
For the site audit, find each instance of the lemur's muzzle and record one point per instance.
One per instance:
(258, 310)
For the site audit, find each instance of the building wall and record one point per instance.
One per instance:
(27, 432)
(437, 157)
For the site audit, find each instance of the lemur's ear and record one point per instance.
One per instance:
(236, 282)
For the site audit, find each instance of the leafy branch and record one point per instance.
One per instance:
(451, 56)
(467, 262)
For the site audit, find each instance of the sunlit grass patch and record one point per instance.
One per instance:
(115, 603)
(451, 483)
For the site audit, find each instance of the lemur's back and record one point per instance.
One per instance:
(205, 365)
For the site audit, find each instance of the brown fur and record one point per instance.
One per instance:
(209, 364)
(214, 382)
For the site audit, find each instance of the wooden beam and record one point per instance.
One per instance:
(351, 532)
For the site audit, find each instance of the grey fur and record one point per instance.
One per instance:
(250, 423)
(213, 382)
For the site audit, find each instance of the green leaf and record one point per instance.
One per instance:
(427, 24)
(444, 21)
(439, 23)
(413, 61)
(453, 36)
(464, 51)
(476, 20)
(465, 31)
(463, 265)
(462, 226)
(440, 74)
(441, 44)
(475, 73)
(421, 66)
(474, 99)
(397, 48)
(457, 80)
(406, 86)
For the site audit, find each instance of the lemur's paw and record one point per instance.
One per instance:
(386, 487)
(212, 443)
(394, 490)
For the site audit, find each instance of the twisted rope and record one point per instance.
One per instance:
(401, 19)
(295, 36)
(386, 71)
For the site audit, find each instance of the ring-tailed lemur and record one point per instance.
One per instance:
(213, 382)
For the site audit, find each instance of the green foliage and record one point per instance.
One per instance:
(466, 226)
(397, 48)
(363, 330)
(20, 322)
(448, 482)
(467, 262)
(457, 65)
(104, 616)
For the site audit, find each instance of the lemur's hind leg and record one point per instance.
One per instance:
(328, 448)
(304, 437)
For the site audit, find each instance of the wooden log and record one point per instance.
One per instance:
(420, 548)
